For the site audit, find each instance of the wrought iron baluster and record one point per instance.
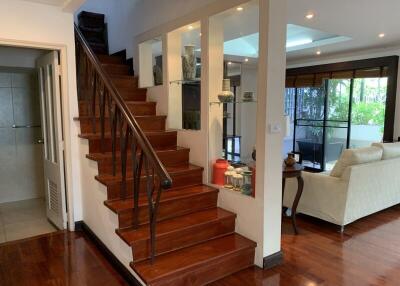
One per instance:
(124, 155)
(93, 113)
(102, 102)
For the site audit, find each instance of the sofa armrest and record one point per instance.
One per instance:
(323, 196)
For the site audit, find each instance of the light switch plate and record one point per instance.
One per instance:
(275, 128)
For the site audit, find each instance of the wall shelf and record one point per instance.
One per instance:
(182, 81)
(231, 102)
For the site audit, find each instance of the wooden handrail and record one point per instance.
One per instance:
(92, 76)
(141, 138)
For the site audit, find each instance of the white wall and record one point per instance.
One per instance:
(19, 57)
(248, 112)
(121, 21)
(37, 25)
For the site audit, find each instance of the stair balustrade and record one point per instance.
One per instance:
(96, 89)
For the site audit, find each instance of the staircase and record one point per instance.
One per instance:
(196, 242)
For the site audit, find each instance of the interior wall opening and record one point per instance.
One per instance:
(26, 197)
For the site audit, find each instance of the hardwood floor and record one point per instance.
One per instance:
(368, 253)
(60, 258)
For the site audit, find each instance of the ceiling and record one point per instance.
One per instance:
(360, 20)
(49, 2)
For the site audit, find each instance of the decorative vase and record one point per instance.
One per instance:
(189, 63)
(219, 168)
(254, 153)
(290, 160)
(226, 95)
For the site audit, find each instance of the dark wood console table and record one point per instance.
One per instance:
(293, 172)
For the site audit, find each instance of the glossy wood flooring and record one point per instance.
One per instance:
(368, 253)
(55, 259)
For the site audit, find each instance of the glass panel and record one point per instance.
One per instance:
(368, 111)
(151, 58)
(309, 126)
(289, 121)
(336, 131)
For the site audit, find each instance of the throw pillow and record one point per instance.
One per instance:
(357, 156)
(390, 150)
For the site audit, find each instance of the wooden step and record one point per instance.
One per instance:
(138, 108)
(169, 157)
(199, 265)
(107, 59)
(133, 94)
(158, 139)
(116, 69)
(146, 123)
(182, 177)
(124, 81)
(179, 232)
(173, 203)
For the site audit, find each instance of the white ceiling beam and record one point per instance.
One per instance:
(71, 6)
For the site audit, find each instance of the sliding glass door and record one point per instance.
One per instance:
(342, 113)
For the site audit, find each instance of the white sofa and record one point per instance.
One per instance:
(363, 181)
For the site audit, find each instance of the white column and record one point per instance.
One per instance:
(271, 86)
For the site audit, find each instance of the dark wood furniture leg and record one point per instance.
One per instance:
(300, 186)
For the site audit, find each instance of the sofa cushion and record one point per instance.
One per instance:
(390, 150)
(357, 156)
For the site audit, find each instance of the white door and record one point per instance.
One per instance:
(53, 143)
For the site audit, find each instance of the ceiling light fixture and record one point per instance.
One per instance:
(309, 16)
(318, 52)
(381, 35)
(190, 27)
(239, 9)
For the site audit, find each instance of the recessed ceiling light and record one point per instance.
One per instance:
(318, 52)
(309, 16)
(246, 60)
(190, 27)
(229, 63)
(381, 35)
(200, 34)
(239, 8)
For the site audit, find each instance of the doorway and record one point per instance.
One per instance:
(28, 110)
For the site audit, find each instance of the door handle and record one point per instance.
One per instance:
(40, 141)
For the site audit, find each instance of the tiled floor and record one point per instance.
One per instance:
(23, 219)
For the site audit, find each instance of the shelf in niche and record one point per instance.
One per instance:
(183, 81)
(231, 102)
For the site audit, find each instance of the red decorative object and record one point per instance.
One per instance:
(219, 168)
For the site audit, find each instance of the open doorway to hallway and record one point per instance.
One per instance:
(32, 189)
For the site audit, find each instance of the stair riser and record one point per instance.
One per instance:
(125, 83)
(134, 95)
(183, 238)
(110, 59)
(136, 109)
(169, 209)
(157, 141)
(147, 124)
(170, 158)
(116, 69)
(211, 271)
(179, 180)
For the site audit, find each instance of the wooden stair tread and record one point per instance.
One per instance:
(120, 205)
(92, 136)
(108, 155)
(86, 117)
(128, 102)
(130, 235)
(108, 179)
(187, 259)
